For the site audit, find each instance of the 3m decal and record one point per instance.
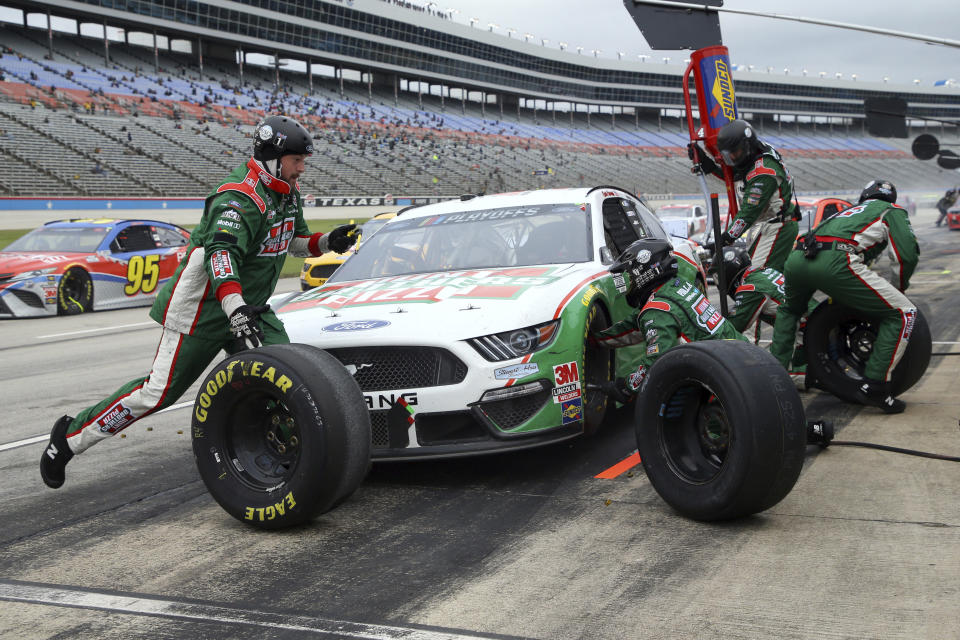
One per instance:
(566, 373)
(221, 265)
(143, 274)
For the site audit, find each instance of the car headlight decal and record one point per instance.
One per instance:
(515, 343)
(26, 275)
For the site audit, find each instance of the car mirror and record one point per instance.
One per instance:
(606, 256)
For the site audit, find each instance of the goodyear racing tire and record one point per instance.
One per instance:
(720, 429)
(280, 434)
(838, 341)
(598, 367)
(74, 292)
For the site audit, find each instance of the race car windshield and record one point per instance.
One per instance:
(507, 237)
(60, 239)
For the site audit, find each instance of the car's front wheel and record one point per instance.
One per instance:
(598, 367)
(74, 292)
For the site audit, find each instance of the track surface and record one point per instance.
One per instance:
(529, 544)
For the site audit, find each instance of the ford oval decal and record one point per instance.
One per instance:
(356, 325)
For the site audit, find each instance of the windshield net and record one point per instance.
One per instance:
(62, 239)
(507, 237)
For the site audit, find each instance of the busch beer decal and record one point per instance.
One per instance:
(220, 264)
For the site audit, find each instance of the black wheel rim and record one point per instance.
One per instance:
(694, 432)
(72, 289)
(263, 441)
(850, 346)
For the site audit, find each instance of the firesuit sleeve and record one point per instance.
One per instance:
(903, 248)
(662, 332)
(620, 334)
(758, 189)
(231, 230)
(304, 243)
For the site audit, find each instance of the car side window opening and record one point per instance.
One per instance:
(133, 238)
(169, 237)
(621, 226)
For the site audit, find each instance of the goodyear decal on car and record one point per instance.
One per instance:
(500, 284)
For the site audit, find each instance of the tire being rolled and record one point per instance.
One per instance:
(720, 429)
(280, 434)
(838, 340)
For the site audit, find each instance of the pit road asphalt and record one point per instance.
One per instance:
(529, 544)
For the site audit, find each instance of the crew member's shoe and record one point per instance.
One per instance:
(819, 432)
(874, 394)
(57, 454)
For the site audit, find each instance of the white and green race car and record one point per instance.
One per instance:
(466, 323)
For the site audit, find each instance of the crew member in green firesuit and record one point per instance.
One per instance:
(217, 297)
(767, 208)
(756, 295)
(671, 310)
(833, 258)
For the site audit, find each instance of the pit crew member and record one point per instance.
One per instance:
(671, 310)
(217, 297)
(833, 258)
(767, 207)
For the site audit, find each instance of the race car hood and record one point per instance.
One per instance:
(439, 306)
(18, 262)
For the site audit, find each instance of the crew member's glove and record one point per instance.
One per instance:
(617, 390)
(338, 240)
(245, 324)
(702, 162)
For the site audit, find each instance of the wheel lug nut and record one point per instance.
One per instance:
(275, 420)
(281, 448)
(270, 436)
(294, 441)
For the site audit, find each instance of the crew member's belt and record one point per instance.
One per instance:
(826, 243)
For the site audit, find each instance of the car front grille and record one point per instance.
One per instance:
(391, 368)
(28, 298)
(513, 412)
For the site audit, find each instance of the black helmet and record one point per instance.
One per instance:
(277, 136)
(738, 144)
(879, 190)
(736, 261)
(649, 262)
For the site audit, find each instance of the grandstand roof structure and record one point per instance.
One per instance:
(388, 42)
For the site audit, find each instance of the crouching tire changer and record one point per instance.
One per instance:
(719, 424)
(280, 434)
